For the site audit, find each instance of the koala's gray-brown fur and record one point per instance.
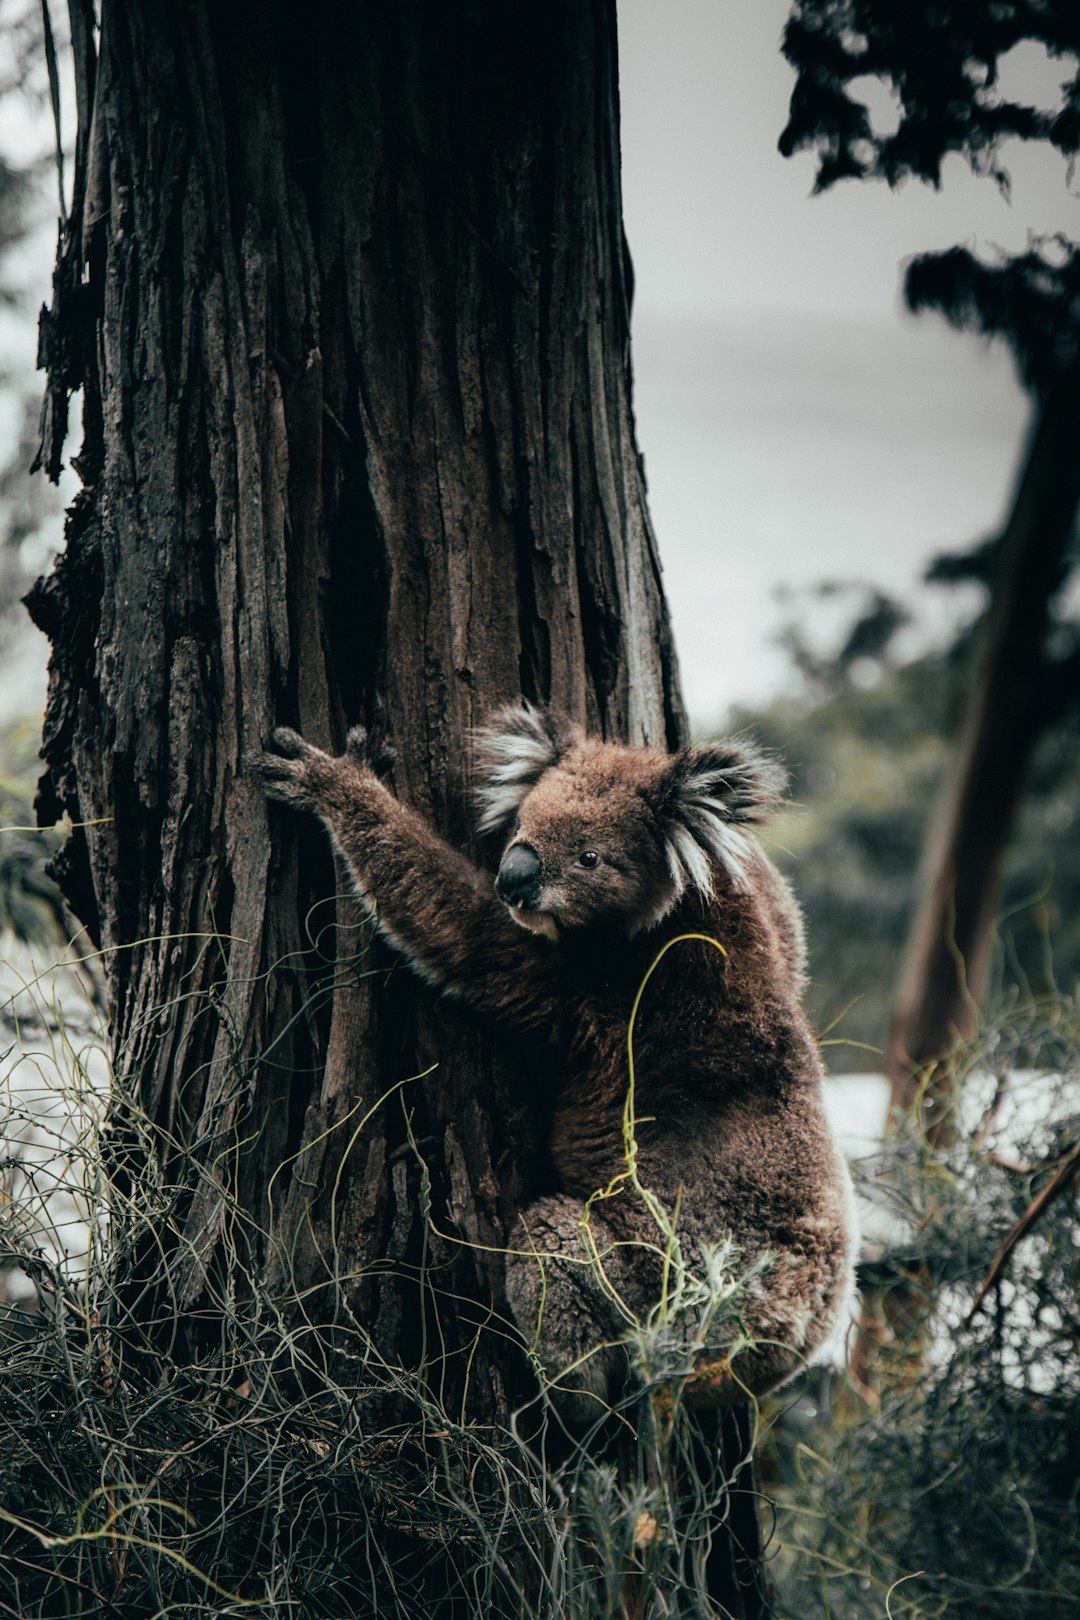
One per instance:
(610, 852)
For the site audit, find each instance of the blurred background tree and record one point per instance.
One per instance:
(941, 68)
(868, 742)
(951, 1487)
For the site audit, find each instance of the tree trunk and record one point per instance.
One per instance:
(346, 293)
(1017, 692)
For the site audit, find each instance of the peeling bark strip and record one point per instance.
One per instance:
(346, 292)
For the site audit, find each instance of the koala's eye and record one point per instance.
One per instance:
(588, 857)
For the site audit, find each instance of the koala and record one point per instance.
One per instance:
(622, 865)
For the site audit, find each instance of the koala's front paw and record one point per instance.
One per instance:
(297, 773)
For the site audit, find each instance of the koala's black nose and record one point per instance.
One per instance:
(518, 882)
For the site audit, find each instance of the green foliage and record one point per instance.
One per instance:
(867, 767)
(957, 1490)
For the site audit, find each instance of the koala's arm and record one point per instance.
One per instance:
(428, 900)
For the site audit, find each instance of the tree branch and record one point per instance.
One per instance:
(1039, 1204)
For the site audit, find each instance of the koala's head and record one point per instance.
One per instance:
(604, 835)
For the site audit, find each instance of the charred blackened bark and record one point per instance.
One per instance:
(345, 290)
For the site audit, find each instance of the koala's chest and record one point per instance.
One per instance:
(678, 1049)
(590, 1040)
(586, 1146)
(600, 1035)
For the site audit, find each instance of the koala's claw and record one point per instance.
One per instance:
(379, 757)
(287, 742)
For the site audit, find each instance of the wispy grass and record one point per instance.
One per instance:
(290, 1466)
(950, 1484)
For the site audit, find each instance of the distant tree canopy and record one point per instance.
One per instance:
(942, 61)
(942, 65)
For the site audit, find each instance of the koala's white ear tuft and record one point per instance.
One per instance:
(705, 799)
(512, 752)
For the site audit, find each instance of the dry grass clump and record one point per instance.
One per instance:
(951, 1484)
(287, 1466)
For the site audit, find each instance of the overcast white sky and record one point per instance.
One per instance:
(796, 425)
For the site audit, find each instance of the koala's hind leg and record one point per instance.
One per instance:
(566, 1289)
(560, 1285)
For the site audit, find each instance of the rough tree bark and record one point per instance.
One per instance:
(1019, 689)
(346, 294)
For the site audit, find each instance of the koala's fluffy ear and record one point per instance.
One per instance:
(705, 798)
(512, 752)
